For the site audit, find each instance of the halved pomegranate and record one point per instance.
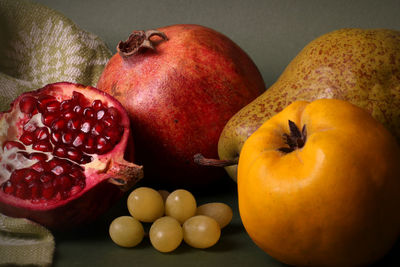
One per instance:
(62, 155)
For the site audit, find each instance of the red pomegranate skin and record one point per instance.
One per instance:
(179, 97)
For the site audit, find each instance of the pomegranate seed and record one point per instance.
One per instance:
(66, 105)
(74, 154)
(75, 174)
(43, 146)
(43, 101)
(46, 177)
(89, 113)
(39, 166)
(97, 129)
(8, 187)
(34, 190)
(114, 114)
(80, 99)
(69, 115)
(103, 146)
(86, 125)
(68, 137)
(85, 159)
(108, 121)
(65, 182)
(27, 138)
(29, 127)
(73, 124)
(79, 140)
(90, 145)
(38, 156)
(21, 191)
(75, 190)
(59, 166)
(58, 124)
(52, 107)
(42, 133)
(11, 144)
(56, 137)
(100, 114)
(78, 110)
(9, 168)
(60, 151)
(49, 118)
(97, 105)
(31, 175)
(18, 176)
(47, 190)
(27, 104)
(112, 135)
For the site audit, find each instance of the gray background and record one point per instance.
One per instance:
(272, 32)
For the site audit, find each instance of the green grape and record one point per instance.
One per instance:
(164, 194)
(181, 205)
(126, 231)
(145, 204)
(166, 234)
(220, 212)
(201, 231)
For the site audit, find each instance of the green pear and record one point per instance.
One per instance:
(356, 65)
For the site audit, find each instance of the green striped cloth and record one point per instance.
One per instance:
(39, 46)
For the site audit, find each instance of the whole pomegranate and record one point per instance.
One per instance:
(180, 85)
(61, 155)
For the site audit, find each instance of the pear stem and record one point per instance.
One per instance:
(201, 160)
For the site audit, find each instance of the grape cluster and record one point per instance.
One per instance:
(174, 217)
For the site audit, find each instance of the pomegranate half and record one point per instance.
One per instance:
(62, 155)
(180, 85)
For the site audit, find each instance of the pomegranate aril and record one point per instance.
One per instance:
(74, 154)
(44, 100)
(100, 114)
(85, 159)
(46, 177)
(52, 107)
(108, 121)
(59, 166)
(80, 99)
(103, 146)
(17, 176)
(9, 168)
(97, 105)
(58, 124)
(21, 191)
(113, 113)
(40, 166)
(27, 138)
(65, 182)
(75, 190)
(90, 145)
(89, 113)
(69, 115)
(56, 137)
(38, 156)
(67, 138)
(79, 140)
(42, 133)
(49, 118)
(28, 104)
(34, 190)
(43, 146)
(47, 190)
(66, 104)
(60, 151)
(113, 135)
(31, 176)
(11, 144)
(78, 110)
(8, 188)
(73, 124)
(97, 129)
(30, 127)
(86, 126)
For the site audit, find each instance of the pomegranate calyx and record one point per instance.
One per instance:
(124, 174)
(137, 41)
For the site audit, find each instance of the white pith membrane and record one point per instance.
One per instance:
(11, 128)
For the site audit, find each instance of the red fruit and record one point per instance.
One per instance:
(61, 186)
(180, 88)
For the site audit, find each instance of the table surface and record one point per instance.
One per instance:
(272, 32)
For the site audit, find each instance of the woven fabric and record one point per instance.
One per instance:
(39, 46)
